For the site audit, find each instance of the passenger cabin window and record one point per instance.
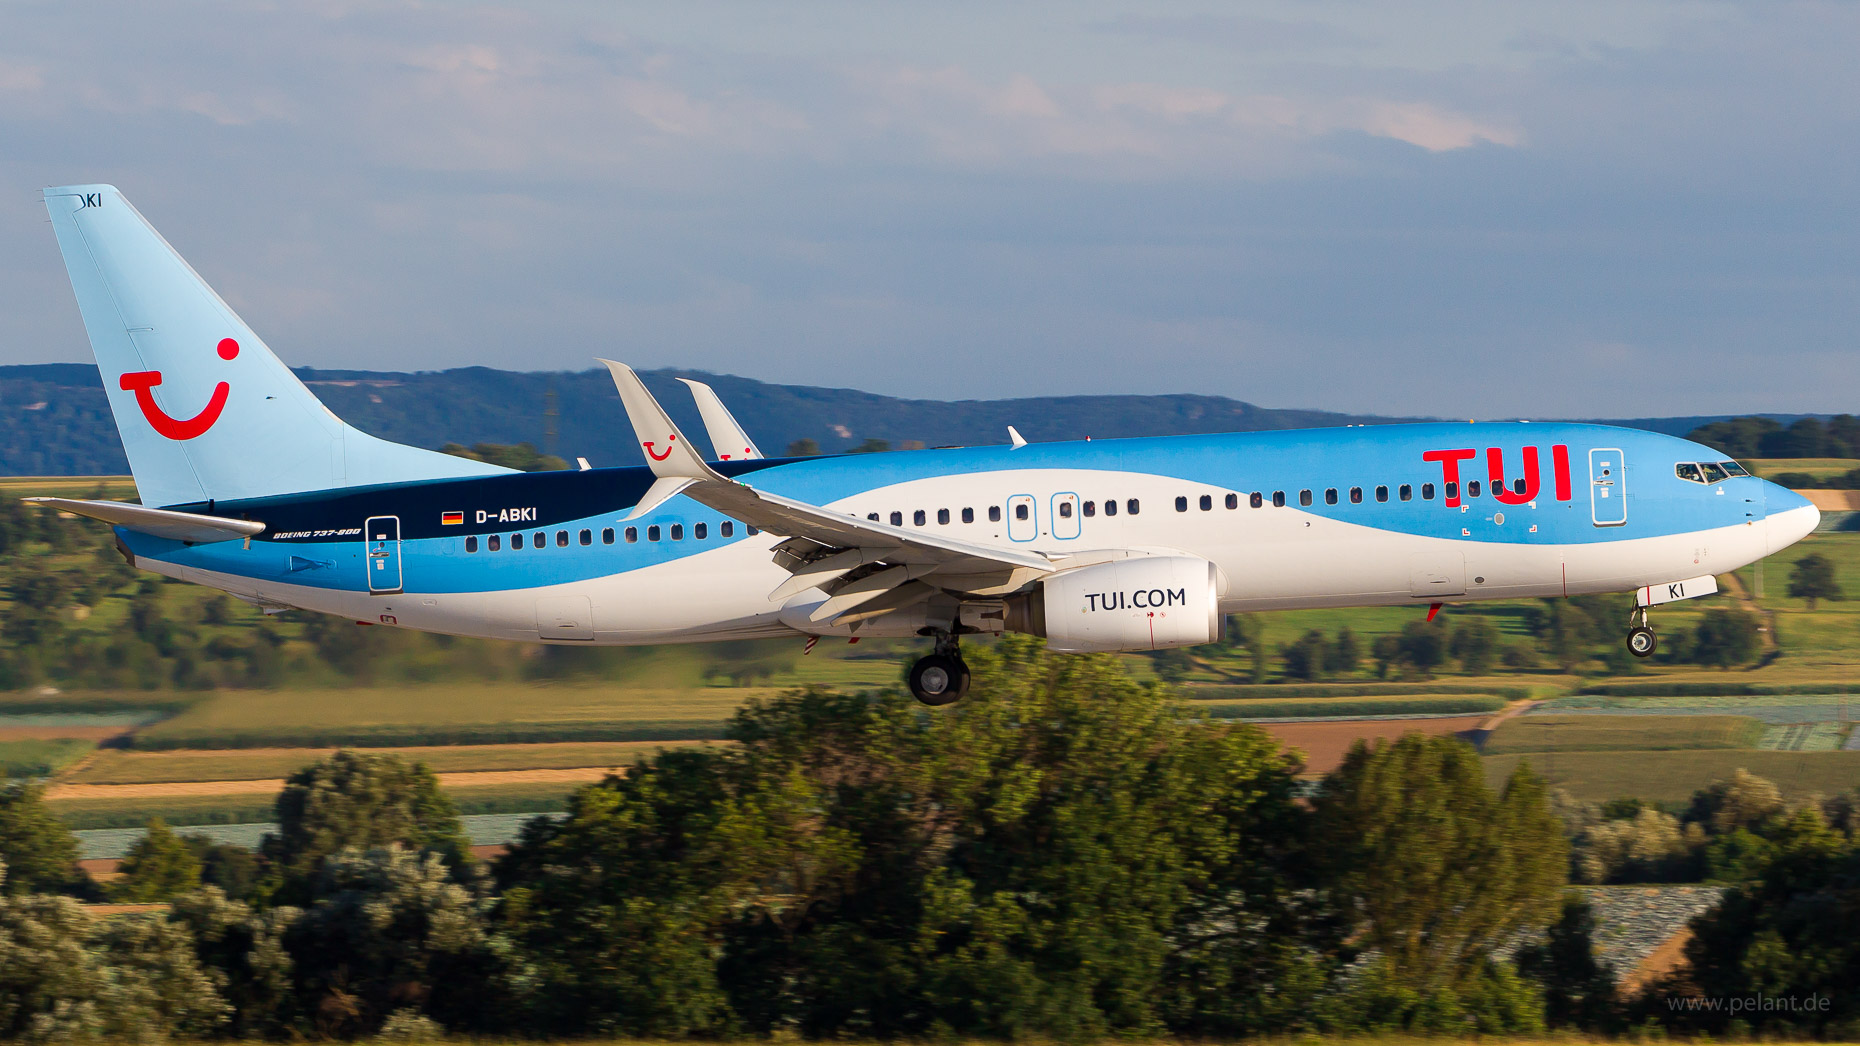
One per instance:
(1207, 503)
(1255, 499)
(493, 542)
(1382, 493)
(652, 533)
(1133, 506)
(1330, 496)
(897, 519)
(1020, 510)
(1472, 488)
(607, 535)
(1304, 498)
(471, 544)
(1065, 510)
(516, 541)
(942, 516)
(994, 513)
(1181, 504)
(542, 539)
(1278, 499)
(751, 530)
(632, 535)
(917, 518)
(1091, 508)
(1356, 495)
(1406, 492)
(1233, 501)
(1427, 492)
(587, 537)
(561, 539)
(1453, 489)
(968, 515)
(678, 532)
(700, 531)
(1110, 507)
(873, 516)
(726, 529)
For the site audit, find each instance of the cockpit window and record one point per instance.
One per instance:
(1733, 468)
(1714, 473)
(1708, 471)
(1687, 470)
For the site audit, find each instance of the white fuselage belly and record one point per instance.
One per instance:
(1271, 558)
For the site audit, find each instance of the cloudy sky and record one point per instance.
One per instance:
(1476, 209)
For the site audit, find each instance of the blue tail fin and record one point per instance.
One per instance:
(205, 410)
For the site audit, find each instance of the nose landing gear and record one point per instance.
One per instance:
(940, 678)
(1641, 642)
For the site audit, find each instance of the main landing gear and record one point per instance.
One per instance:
(941, 678)
(1641, 642)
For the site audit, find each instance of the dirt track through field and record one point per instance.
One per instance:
(179, 789)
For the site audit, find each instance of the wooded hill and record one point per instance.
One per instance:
(54, 420)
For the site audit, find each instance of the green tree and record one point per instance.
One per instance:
(1475, 645)
(49, 981)
(1725, 637)
(803, 448)
(1579, 989)
(1306, 658)
(1423, 645)
(245, 951)
(1023, 863)
(154, 986)
(389, 930)
(40, 852)
(1345, 654)
(362, 801)
(1437, 869)
(159, 867)
(871, 446)
(1812, 578)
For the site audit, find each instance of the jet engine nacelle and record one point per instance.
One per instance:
(1142, 603)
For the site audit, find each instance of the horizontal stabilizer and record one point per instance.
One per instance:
(158, 522)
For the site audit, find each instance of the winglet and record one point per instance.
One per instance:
(727, 438)
(668, 453)
(1016, 438)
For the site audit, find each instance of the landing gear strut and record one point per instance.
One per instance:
(941, 678)
(1641, 642)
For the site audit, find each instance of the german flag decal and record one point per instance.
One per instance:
(451, 519)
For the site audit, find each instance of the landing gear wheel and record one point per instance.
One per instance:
(1641, 642)
(939, 679)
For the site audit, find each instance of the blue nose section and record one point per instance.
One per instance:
(1788, 517)
(1778, 499)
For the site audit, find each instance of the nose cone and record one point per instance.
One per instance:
(1789, 517)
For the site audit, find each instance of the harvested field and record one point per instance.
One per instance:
(1325, 744)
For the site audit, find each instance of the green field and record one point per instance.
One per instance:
(1622, 733)
(1351, 707)
(1817, 467)
(40, 758)
(1671, 777)
(251, 764)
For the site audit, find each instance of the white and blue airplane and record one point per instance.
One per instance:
(250, 485)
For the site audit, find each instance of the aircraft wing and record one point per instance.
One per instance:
(866, 567)
(727, 438)
(158, 522)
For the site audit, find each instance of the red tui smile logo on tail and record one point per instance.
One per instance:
(143, 382)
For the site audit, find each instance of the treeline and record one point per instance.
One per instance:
(1756, 437)
(1067, 854)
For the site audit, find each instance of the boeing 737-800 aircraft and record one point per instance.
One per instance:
(250, 485)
